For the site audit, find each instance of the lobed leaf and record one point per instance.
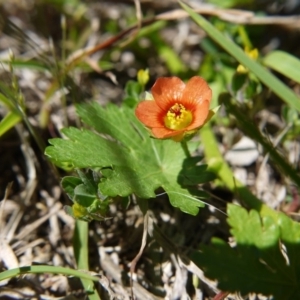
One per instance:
(265, 259)
(130, 161)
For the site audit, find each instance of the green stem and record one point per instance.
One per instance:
(219, 166)
(185, 148)
(252, 131)
(244, 37)
(80, 244)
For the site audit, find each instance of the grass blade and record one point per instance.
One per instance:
(46, 269)
(9, 121)
(278, 87)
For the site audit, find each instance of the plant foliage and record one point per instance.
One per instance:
(129, 160)
(264, 260)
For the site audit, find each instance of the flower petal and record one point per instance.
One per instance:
(162, 132)
(200, 115)
(195, 96)
(195, 92)
(167, 91)
(149, 114)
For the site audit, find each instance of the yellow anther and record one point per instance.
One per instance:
(178, 117)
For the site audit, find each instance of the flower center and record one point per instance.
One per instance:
(178, 117)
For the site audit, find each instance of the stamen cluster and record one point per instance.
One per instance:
(178, 117)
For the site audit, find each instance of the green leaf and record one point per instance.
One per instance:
(229, 3)
(264, 260)
(69, 184)
(4, 99)
(253, 88)
(238, 80)
(130, 161)
(9, 121)
(251, 232)
(284, 63)
(27, 64)
(89, 203)
(90, 181)
(192, 174)
(83, 196)
(132, 89)
(8, 96)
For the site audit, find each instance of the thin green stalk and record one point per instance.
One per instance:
(63, 23)
(244, 37)
(252, 131)
(277, 86)
(218, 165)
(46, 269)
(80, 245)
(185, 148)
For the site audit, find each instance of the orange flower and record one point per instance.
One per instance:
(177, 109)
